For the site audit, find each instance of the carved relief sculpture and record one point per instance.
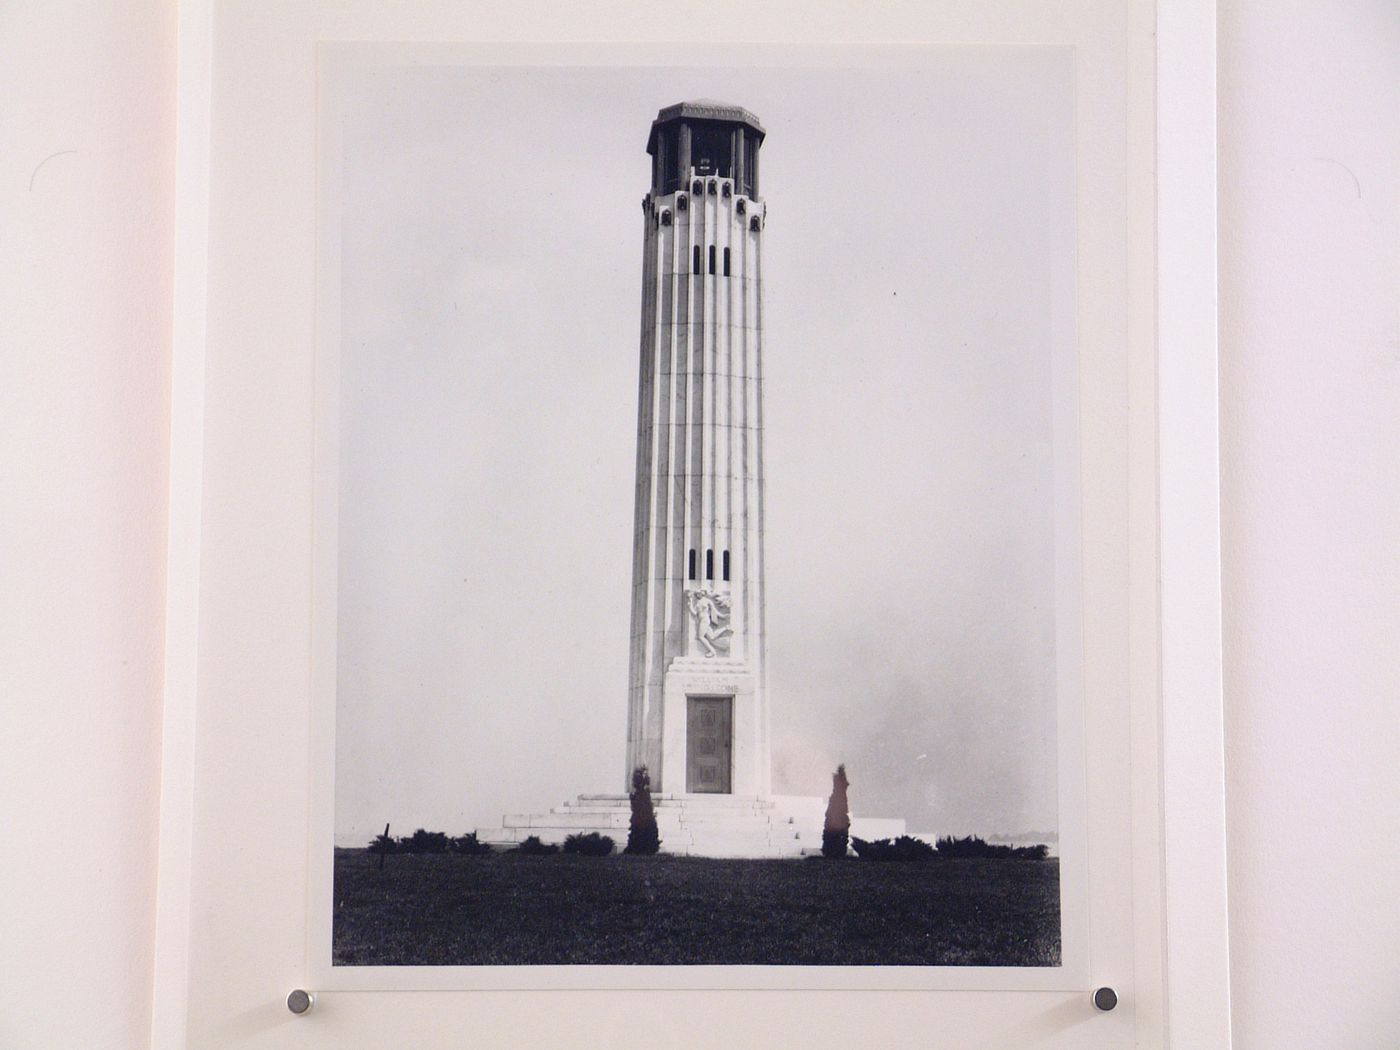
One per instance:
(711, 612)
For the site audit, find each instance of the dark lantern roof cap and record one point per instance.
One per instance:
(703, 109)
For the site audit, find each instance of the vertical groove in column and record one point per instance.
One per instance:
(761, 641)
(707, 381)
(657, 526)
(697, 362)
(751, 452)
(674, 532)
(685, 392)
(695, 406)
(646, 423)
(741, 556)
(726, 542)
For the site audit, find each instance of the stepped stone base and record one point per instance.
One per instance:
(694, 825)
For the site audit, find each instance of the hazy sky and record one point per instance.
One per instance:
(491, 283)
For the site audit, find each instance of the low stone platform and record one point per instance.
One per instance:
(694, 825)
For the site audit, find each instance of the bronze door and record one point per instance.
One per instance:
(708, 743)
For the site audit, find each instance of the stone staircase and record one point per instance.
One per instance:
(693, 825)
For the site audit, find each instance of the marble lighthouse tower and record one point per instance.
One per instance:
(698, 712)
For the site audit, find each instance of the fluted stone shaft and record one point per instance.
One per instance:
(699, 486)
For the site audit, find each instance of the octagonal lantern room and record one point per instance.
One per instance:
(713, 138)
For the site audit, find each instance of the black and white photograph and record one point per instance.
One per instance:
(706, 510)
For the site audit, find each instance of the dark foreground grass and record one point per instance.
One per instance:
(506, 909)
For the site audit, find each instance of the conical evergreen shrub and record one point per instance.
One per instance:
(836, 832)
(643, 836)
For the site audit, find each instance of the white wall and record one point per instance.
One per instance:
(85, 266)
(1310, 270)
(1310, 384)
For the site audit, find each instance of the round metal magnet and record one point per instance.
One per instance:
(1105, 999)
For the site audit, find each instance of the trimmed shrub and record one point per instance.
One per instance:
(643, 836)
(469, 845)
(969, 846)
(903, 849)
(589, 844)
(422, 841)
(972, 846)
(533, 847)
(836, 830)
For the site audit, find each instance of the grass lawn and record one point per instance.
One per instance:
(505, 909)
